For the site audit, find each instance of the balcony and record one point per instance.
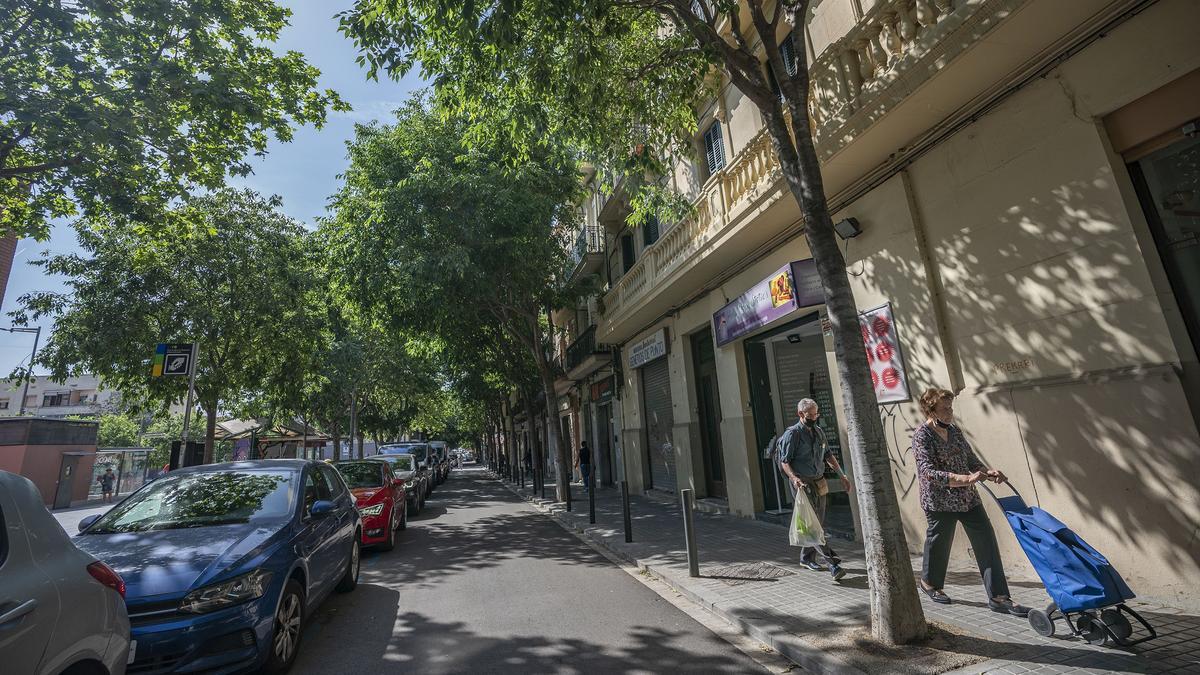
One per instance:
(587, 253)
(583, 357)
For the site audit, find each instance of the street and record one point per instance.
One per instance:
(481, 583)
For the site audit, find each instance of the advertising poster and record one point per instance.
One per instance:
(883, 355)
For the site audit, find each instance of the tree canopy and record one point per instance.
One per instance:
(119, 106)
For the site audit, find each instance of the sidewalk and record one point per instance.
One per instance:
(751, 577)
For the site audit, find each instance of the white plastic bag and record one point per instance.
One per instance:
(805, 529)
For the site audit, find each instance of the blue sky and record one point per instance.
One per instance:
(303, 172)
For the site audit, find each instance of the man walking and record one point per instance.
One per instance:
(585, 464)
(803, 455)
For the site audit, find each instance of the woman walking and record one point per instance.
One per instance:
(947, 470)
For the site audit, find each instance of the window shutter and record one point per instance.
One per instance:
(788, 52)
(650, 230)
(627, 254)
(714, 148)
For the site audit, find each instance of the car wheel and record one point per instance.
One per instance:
(391, 540)
(289, 626)
(404, 520)
(350, 579)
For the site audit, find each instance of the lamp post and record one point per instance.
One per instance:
(37, 335)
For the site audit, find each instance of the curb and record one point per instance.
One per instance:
(790, 646)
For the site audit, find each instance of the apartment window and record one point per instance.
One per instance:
(56, 399)
(650, 230)
(788, 53)
(714, 148)
(3, 404)
(628, 257)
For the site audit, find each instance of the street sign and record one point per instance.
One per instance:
(172, 359)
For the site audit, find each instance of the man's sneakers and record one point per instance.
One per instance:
(836, 572)
(812, 565)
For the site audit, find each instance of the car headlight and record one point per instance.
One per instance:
(217, 596)
(371, 510)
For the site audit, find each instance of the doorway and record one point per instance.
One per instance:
(604, 445)
(708, 401)
(66, 481)
(659, 419)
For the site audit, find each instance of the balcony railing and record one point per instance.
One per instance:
(583, 347)
(589, 240)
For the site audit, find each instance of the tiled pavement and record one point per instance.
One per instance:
(749, 575)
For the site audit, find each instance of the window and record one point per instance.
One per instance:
(4, 404)
(650, 231)
(333, 480)
(714, 148)
(628, 257)
(56, 399)
(788, 53)
(311, 491)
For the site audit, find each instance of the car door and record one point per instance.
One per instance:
(389, 479)
(29, 603)
(342, 521)
(316, 534)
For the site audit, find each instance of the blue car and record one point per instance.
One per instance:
(223, 564)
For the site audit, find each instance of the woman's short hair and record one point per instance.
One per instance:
(932, 397)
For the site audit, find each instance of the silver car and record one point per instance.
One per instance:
(61, 610)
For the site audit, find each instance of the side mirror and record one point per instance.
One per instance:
(87, 522)
(398, 482)
(321, 508)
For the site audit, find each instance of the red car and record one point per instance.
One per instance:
(380, 498)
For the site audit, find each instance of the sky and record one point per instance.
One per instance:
(303, 172)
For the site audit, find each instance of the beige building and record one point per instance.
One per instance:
(1026, 177)
(81, 395)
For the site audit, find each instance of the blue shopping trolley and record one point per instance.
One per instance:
(1086, 590)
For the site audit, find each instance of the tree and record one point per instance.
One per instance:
(613, 75)
(118, 431)
(445, 236)
(118, 106)
(226, 270)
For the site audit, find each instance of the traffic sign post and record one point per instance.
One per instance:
(179, 359)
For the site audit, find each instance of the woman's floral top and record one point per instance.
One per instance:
(936, 460)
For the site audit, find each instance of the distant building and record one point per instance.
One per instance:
(82, 395)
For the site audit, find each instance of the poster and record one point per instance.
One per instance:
(882, 343)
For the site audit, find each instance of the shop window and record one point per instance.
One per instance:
(714, 148)
(1168, 184)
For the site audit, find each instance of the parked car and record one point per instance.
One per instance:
(442, 451)
(426, 461)
(381, 500)
(224, 563)
(416, 480)
(61, 610)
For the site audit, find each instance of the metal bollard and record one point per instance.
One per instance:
(689, 533)
(568, 493)
(625, 510)
(522, 471)
(591, 488)
(542, 481)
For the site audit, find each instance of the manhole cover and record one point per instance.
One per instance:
(744, 573)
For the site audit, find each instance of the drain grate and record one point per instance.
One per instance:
(744, 573)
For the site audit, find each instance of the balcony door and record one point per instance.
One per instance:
(708, 400)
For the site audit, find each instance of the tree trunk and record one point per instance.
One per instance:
(336, 433)
(562, 475)
(210, 432)
(896, 614)
(534, 444)
(361, 438)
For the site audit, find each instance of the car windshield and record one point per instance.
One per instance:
(205, 499)
(361, 474)
(417, 451)
(401, 462)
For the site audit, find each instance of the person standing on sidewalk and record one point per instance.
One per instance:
(947, 471)
(106, 485)
(584, 462)
(803, 455)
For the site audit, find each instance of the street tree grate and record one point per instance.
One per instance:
(744, 573)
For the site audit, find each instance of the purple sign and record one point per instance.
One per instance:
(790, 287)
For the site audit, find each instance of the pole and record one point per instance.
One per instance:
(625, 512)
(187, 408)
(541, 472)
(37, 335)
(568, 493)
(353, 420)
(689, 533)
(591, 488)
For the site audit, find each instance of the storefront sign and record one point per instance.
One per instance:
(603, 390)
(792, 286)
(879, 336)
(646, 350)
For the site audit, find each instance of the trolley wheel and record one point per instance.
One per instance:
(1090, 629)
(1042, 623)
(1051, 609)
(1117, 623)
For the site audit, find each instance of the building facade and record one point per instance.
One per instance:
(1025, 177)
(80, 395)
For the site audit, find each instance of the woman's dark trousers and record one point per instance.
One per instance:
(940, 536)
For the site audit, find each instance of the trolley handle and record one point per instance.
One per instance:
(993, 494)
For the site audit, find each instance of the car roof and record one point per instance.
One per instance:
(291, 464)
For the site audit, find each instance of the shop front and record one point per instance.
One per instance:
(648, 356)
(131, 466)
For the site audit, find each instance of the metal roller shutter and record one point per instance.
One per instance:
(659, 422)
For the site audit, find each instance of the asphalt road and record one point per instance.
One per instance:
(482, 583)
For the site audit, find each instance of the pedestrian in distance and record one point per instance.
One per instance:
(529, 461)
(584, 462)
(947, 471)
(106, 484)
(803, 455)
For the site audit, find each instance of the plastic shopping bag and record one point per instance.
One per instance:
(805, 529)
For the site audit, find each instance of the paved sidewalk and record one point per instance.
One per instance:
(750, 576)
